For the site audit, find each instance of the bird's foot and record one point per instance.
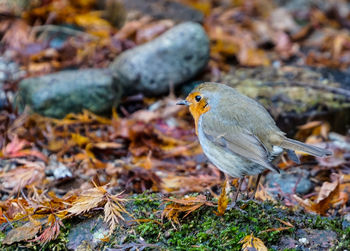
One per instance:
(234, 205)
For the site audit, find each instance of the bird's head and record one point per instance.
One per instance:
(200, 99)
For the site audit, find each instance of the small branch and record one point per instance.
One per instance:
(66, 30)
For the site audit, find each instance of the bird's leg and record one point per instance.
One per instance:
(233, 204)
(256, 187)
(240, 181)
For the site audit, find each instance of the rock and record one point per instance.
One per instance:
(58, 94)
(88, 234)
(287, 181)
(294, 94)
(171, 59)
(302, 6)
(309, 239)
(3, 100)
(340, 76)
(57, 170)
(165, 9)
(9, 70)
(346, 221)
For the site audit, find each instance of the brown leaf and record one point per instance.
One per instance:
(190, 183)
(288, 224)
(98, 196)
(185, 205)
(113, 211)
(15, 149)
(22, 233)
(152, 30)
(253, 57)
(18, 36)
(252, 243)
(329, 193)
(223, 198)
(52, 231)
(89, 199)
(22, 176)
(106, 145)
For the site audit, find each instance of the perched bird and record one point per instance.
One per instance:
(237, 134)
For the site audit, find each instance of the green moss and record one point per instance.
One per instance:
(204, 230)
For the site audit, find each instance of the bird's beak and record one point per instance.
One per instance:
(183, 102)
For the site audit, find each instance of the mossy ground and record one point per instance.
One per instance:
(203, 229)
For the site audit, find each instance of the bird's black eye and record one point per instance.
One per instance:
(197, 98)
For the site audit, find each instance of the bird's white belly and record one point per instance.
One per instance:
(228, 162)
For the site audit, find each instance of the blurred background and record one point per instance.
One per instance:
(87, 102)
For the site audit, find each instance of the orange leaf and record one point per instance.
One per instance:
(223, 199)
(52, 231)
(22, 233)
(329, 193)
(252, 243)
(185, 205)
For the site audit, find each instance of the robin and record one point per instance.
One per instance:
(237, 134)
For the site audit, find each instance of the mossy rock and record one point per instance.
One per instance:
(294, 94)
(204, 230)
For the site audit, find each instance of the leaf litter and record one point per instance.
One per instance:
(150, 149)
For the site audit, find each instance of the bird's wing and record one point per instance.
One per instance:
(237, 140)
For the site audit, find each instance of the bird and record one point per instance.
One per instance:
(238, 135)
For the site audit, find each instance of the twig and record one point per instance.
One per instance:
(69, 31)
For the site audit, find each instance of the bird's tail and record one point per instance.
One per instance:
(299, 146)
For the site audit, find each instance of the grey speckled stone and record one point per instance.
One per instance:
(287, 181)
(2, 98)
(58, 94)
(173, 58)
(88, 234)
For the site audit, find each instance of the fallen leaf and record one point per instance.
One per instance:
(15, 149)
(22, 233)
(223, 198)
(22, 176)
(185, 205)
(288, 226)
(252, 243)
(152, 30)
(113, 210)
(87, 200)
(52, 231)
(329, 193)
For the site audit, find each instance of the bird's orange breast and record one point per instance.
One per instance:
(197, 108)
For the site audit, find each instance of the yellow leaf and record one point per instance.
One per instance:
(94, 24)
(252, 243)
(79, 139)
(223, 199)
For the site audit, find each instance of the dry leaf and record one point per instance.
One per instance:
(113, 212)
(88, 199)
(22, 176)
(329, 193)
(223, 198)
(98, 196)
(252, 243)
(185, 205)
(52, 231)
(22, 233)
(15, 149)
(288, 224)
